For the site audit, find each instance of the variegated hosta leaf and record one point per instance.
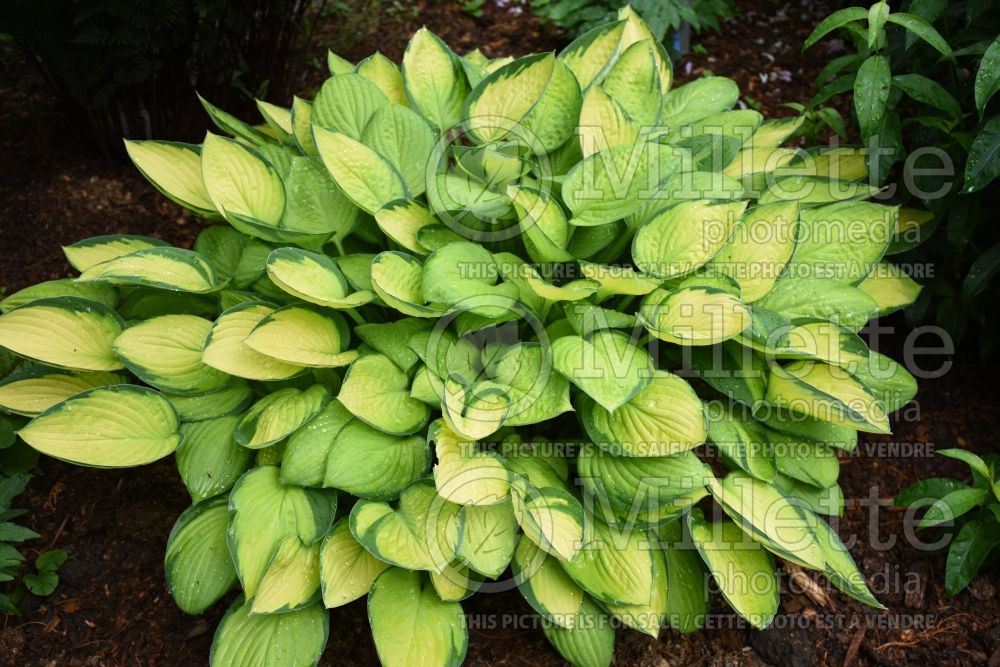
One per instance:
(615, 567)
(828, 393)
(232, 399)
(422, 531)
(608, 366)
(346, 103)
(537, 392)
(890, 288)
(698, 99)
(226, 350)
(270, 519)
(90, 252)
(105, 294)
(402, 220)
(534, 100)
(366, 176)
(436, 632)
(464, 276)
(637, 30)
(455, 582)
(386, 75)
(347, 571)
(316, 208)
(822, 299)
(742, 442)
(842, 242)
(632, 484)
(304, 336)
(761, 245)
(545, 585)
(291, 580)
(685, 237)
(542, 222)
(767, 516)
(489, 537)
(687, 591)
(475, 411)
(165, 352)
(464, 474)
(590, 54)
(647, 617)
(612, 183)
(664, 418)
(548, 513)
(397, 279)
(68, 332)
(405, 140)
(279, 414)
(197, 564)
(295, 638)
(313, 277)
(306, 451)
(376, 391)
(634, 81)
(109, 427)
(696, 314)
(162, 267)
(434, 80)
(742, 569)
(34, 391)
(175, 170)
(241, 184)
(591, 640)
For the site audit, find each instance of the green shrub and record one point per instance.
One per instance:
(970, 513)
(662, 16)
(924, 83)
(432, 338)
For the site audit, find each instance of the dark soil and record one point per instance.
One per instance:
(112, 607)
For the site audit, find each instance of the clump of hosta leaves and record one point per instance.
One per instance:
(436, 335)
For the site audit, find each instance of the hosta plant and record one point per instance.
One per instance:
(438, 331)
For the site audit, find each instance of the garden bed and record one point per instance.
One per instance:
(112, 606)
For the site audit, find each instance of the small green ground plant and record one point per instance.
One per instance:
(970, 513)
(438, 334)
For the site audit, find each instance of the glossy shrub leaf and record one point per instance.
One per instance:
(871, 93)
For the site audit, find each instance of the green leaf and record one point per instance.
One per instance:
(871, 92)
(51, 560)
(609, 184)
(974, 461)
(116, 426)
(823, 299)
(837, 19)
(952, 505)
(890, 288)
(608, 366)
(11, 532)
(197, 564)
(306, 451)
(209, 459)
(233, 126)
(68, 332)
(398, 280)
(988, 76)
(929, 92)
(434, 80)
(292, 639)
(436, 631)
(230, 400)
(402, 220)
(968, 551)
(377, 391)
(735, 562)
(923, 30)
(316, 207)
(928, 489)
(373, 465)
(43, 583)
(983, 164)
(687, 592)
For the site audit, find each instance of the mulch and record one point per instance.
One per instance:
(112, 607)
